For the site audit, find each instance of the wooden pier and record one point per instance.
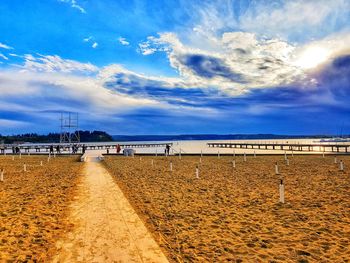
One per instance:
(318, 147)
(39, 148)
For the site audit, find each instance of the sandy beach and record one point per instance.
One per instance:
(34, 206)
(234, 214)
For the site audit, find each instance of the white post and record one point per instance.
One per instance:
(285, 155)
(197, 172)
(276, 168)
(218, 154)
(245, 157)
(335, 159)
(24, 167)
(41, 163)
(171, 166)
(234, 153)
(341, 165)
(323, 154)
(233, 163)
(54, 155)
(281, 192)
(287, 161)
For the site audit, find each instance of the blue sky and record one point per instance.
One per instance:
(176, 67)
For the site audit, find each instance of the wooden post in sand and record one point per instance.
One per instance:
(341, 166)
(152, 163)
(233, 163)
(254, 154)
(245, 157)
(335, 159)
(200, 159)
(140, 158)
(281, 192)
(287, 161)
(323, 153)
(285, 155)
(276, 168)
(20, 155)
(48, 159)
(24, 167)
(13, 157)
(171, 166)
(54, 155)
(201, 153)
(292, 153)
(218, 154)
(197, 172)
(2, 171)
(41, 163)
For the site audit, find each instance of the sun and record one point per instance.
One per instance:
(312, 57)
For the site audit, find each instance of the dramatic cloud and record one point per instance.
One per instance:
(123, 41)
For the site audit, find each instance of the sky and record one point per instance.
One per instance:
(176, 67)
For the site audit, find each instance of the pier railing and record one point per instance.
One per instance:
(318, 147)
(88, 146)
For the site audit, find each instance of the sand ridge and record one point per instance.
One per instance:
(107, 227)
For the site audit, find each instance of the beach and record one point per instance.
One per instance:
(227, 210)
(34, 205)
(234, 214)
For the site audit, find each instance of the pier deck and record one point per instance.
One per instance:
(318, 147)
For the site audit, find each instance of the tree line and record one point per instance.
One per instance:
(85, 136)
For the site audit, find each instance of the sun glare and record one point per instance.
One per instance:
(312, 57)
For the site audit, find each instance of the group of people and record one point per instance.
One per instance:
(75, 148)
(16, 150)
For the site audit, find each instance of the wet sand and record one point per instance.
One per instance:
(34, 206)
(234, 215)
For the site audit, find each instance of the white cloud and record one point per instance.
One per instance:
(94, 45)
(75, 5)
(87, 39)
(123, 41)
(297, 16)
(3, 56)
(5, 46)
(43, 63)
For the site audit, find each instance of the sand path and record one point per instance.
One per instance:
(107, 227)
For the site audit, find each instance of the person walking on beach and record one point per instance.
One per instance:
(58, 149)
(51, 149)
(118, 148)
(167, 150)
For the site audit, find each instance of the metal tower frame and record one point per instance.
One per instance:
(69, 128)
